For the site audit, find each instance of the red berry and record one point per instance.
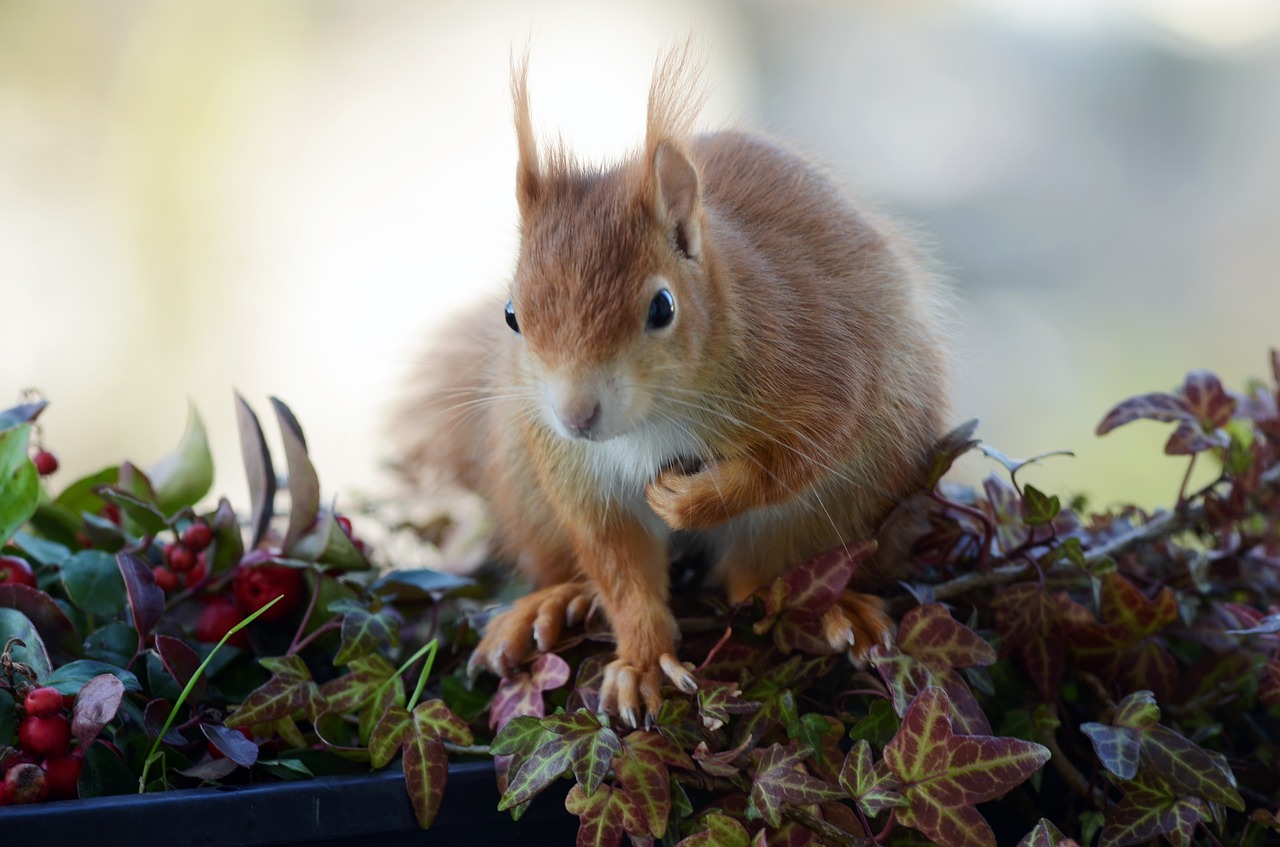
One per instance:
(345, 523)
(15, 570)
(43, 702)
(196, 575)
(180, 557)
(45, 462)
(45, 736)
(111, 512)
(61, 776)
(257, 585)
(25, 783)
(216, 620)
(68, 700)
(197, 536)
(166, 579)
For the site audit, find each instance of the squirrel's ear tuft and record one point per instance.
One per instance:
(679, 196)
(528, 179)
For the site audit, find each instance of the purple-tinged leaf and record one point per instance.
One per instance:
(57, 632)
(1045, 834)
(1188, 439)
(718, 700)
(535, 772)
(231, 743)
(590, 746)
(426, 769)
(258, 470)
(388, 734)
(943, 775)
(1118, 749)
(434, 717)
(146, 599)
(290, 689)
(210, 769)
(519, 737)
(724, 763)
(779, 778)
(349, 692)
(1137, 711)
(718, 831)
(182, 663)
(521, 694)
(874, 789)
(796, 601)
(642, 771)
(1206, 399)
(1188, 768)
(950, 447)
(605, 814)
(96, 706)
(154, 717)
(1149, 811)
(304, 485)
(228, 544)
(1270, 625)
(1157, 407)
(930, 634)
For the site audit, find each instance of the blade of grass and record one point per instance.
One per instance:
(155, 753)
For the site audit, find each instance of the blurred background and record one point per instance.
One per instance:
(287, 197)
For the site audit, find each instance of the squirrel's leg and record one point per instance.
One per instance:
(628, 566)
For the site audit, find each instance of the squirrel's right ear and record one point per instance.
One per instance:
(528, 180)
(679, 198)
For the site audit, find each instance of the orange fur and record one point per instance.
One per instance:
(804, 373)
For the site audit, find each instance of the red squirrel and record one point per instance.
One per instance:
(709, 337)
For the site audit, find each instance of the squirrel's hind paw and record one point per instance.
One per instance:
(534, 620)
(856, 623)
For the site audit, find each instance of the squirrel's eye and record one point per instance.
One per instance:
(662, 308)
(511, 318)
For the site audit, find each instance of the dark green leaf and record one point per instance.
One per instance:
(93, 582)
(39, 549)
(56, 630)
(14, 624)
(71, 677)
(143, 516)
(417, 584)
(1038, 507)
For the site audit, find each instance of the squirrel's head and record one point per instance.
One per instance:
(611, 297)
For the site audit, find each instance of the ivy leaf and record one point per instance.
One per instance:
(349, 692)
(426, 769)
(1149, 810)
(373, 711)
(388, 734)
(434, 717)
(185, 475)
(521, 694)
(874, 789)
(944, 775)
(519, 737)
(822, 735)
(1035, 622)
(536, 771)
(590, 746)
(363, 631)
(718, 831)
(1045, 834)
(290, 689)
(1038, 507)
(605, 814)
(950, 447)
(931, 645)
(642, 766)
(796, 601)
(779, 779)
(718, 700)
(1126, 645)
(1201, 409)
(878, 726)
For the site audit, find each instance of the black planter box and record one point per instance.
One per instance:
(339, 811)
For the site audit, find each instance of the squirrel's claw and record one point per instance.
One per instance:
(534, 620)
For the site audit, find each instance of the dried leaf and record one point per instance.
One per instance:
(258, 470)
(304, 485)
(95, 707)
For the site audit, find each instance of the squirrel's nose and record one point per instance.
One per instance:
(581, 422)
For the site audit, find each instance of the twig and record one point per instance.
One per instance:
(1158, 527)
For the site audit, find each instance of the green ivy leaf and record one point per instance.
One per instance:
(1045, 834)
(185, 475)
(19, 482)
(351, 691)
(718, 831)
(879, 726)
(363, 631)
(1150, 810)
(605, 814)
(642, 767)
(434, 717)
(944, 775)
(778, 780)
(388, 734)
(1038, 507)
(873, 788)
(290, 689)
(533, 773)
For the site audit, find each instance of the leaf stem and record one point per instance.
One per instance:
(295, 646)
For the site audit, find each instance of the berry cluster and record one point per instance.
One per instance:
(186, 559)
(43, 766)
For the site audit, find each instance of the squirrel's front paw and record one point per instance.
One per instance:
(688, 500)
(631, 691)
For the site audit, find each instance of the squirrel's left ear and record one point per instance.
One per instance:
(678, 198)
